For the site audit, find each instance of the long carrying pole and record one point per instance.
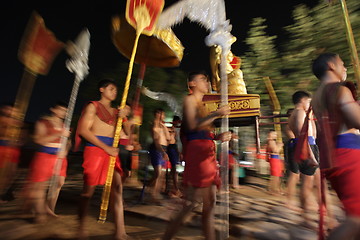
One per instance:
(276, 107)
(224, 157)
(64, 140)
(351, 42)
(107, 188)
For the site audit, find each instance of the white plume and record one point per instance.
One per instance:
(208, 13)
(166, 97)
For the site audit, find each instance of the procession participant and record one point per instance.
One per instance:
(233, 179)
(174, 155)
(158, 151)
(9, 149)
(125, 146)
(48, 132)
(276, 165)
(338, 116)
(307, 168)
(201, 174)
(97, 127)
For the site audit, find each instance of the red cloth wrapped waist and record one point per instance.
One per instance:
(345, 172)
(276, 166)
(42, 167)
(96, 165)
(9, 154)
(201, 168)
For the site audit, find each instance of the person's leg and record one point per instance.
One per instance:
(331, 221)
(10, 183)
(291, 190)
(209, 200)
(349, 229)
(234, 176)
(85, 197)
(174, 176)
(118, 208)
(157, 182)
(305, 193)
(37, 198)
(192, 196)
(277, 185)
(52, 201)
(271, 184)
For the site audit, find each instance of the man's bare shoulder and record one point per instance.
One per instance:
(90, 107)
(189, 99)
(298, 112)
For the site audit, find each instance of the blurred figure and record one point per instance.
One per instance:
(276, 164)
(158, 151)
(125, 145)
(201, 174)
(10, 144)
(338, 116)
(48, 132)
(174, 155)
(233, 179)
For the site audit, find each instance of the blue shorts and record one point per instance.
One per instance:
(173, 153)
(157, 156)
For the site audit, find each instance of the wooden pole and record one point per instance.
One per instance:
(224, 156)
(351, 42)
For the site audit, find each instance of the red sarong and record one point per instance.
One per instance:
(344, 175)
(42, 167)
(9, 154)
(276, 166)
(201, 168)
(96, 165)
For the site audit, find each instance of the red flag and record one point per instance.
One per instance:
(153, 7)
(38, 46)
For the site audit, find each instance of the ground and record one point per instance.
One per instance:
(253, 214)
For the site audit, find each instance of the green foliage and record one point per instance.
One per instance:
(315, 30)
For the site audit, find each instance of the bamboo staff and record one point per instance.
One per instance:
(276, 107)
(351, 42)
(144, 23)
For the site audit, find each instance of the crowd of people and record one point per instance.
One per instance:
(323, 142)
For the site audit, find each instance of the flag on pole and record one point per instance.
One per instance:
(147, 12)
(38, 46)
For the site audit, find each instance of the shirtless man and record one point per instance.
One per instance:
(159, 158)
(9, 149)
(276, 164)
(338, 116)
(307, 168)
(97, 126)
(48, 132)
(200, 176)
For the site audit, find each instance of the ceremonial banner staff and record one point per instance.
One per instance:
(78, 64)
(37, 50)
(142, 15)
(161, 49)
(276, 107)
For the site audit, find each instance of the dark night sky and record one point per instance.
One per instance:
(67, 18)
